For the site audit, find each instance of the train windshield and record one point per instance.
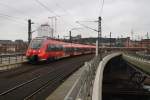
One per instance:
(36, 44)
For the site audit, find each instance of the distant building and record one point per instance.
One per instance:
(123, 42)
(111, 42)
(145, 43)
(19, 41)
(105, 42)
(45, 30)
(76, 37)
(5, 42)
(8, 46)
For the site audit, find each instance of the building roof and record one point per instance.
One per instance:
(5, 42)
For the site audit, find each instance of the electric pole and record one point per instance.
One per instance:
(52, 28)
(110, 40)
(58, 36)
(141, 41)
(147, 36)
(70, 37)
(29, 31)
(99, 37)
(55, 25)
(148, 40)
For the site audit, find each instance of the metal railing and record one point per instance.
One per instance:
(139, 56)
(6, 59)
(82, 88)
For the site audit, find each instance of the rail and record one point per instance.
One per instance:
(82, 88)
(97, 87)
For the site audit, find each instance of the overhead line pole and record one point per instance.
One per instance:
(70, 36)
(100, 31)
(110, 40)
(55, 25)
(29, 31)
(99, 37)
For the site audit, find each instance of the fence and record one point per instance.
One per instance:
(8, 59)
(140, 56)
(82, 89)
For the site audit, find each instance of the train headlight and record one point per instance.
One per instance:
(39, 51)
(34, 51)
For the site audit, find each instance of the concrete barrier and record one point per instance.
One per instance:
(97, 88)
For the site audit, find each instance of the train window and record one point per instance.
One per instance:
(61, 47)
(54, 48)
(68, 49)
(36, 44)
(50, 48)
(76, 49)
(72, 49)
(64, 49)
(58, 48)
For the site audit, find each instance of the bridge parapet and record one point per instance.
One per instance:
(82, 88)
(140, 62)
(97, 87)
(140, 56)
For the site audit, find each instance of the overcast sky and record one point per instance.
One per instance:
(118, 17)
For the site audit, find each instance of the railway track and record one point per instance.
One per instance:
(35, 87)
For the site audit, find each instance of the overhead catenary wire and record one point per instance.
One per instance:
(44, 6)
(63, 9)
(50, 11)
(89, 21)
(100, 14)
(11, 7)
(11, 18)
(86, 26)
(14, 9)
(102, 6)
(14, 17)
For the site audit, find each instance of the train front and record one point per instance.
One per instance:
(34, 50)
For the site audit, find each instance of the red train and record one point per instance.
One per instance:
(45, 48)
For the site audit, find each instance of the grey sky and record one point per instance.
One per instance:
(119, 16)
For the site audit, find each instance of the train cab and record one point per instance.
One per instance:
(35, 48)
